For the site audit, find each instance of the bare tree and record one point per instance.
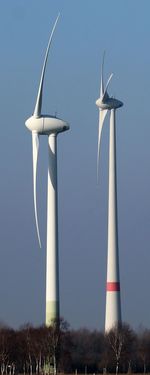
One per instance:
(87, 347)
(51, 345)
(144, 349)
(115, 338)
(5, 350)
(121, 344)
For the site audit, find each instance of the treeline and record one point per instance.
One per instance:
(43, 350)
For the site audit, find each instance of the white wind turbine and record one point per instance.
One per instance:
(113, 304)
(50, 126)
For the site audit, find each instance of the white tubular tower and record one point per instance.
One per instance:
(113, 305)
(52, 262)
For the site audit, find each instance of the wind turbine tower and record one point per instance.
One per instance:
(106, 103)
(49, 126)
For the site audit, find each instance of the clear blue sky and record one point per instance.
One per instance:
(86, 28)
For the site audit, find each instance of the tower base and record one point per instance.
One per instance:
(113, 310)
(52, 312)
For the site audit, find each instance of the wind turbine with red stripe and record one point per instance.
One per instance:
(106, 103)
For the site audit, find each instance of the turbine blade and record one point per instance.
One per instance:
(102, 115)
(102, 77)
(106, 87)
(38, 105)
(35, 150)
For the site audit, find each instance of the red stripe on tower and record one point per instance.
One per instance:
(113, 287)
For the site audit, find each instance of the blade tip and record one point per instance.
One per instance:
(39, 241)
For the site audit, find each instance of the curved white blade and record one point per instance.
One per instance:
(106, 87)
(102, 78)
(102, 115)
(38, 105)
(35, 150)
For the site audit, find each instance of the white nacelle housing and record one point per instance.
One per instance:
(109, 103)
(46, 125)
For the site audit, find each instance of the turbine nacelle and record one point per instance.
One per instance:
(46, 125)
(109, 103)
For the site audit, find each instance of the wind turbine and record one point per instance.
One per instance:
(49, 126)
(113, 303)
